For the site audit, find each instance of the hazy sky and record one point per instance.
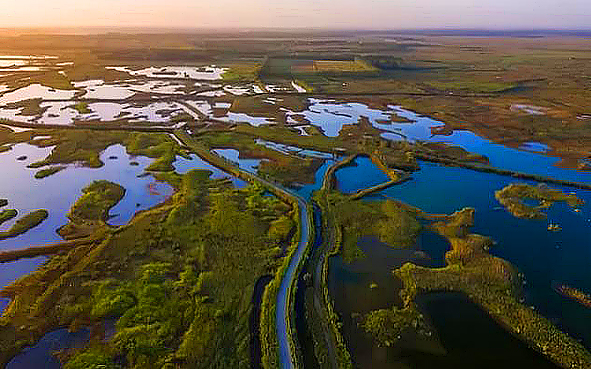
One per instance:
(366, 14)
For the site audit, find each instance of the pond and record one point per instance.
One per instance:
(307, 190)
(36, 91)
(199, 73)
(349, 179)
(545, 258)
(367, 284)
(41, 354)
(233, 155)
(59, 191)
(330, 116)
(470, 338)
(231, 117)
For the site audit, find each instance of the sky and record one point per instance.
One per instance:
(334, 14)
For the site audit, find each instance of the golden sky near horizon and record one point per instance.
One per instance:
(366, 14)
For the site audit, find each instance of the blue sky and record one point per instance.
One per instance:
(366, 14)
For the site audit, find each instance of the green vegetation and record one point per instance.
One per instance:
(53, 79)
(84, 70)
(284, 168)
(85, 146)
(357, 65)
(242, 72)
(159, 146)
(388, 325)
(178, 278)
(82, 107)
(91, 210)
(512, 197)
(305, 68)
(94, 358)
(391, 222)
(25, 223)
(6, 215)
(30, 107)
(489, 281)
(97, 199)
(49, 171)
(474, 86)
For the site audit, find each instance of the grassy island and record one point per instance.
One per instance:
(25, 223)
(513, 198)
(6, 215)
(49, 171)
(92, 209)
(82, 108)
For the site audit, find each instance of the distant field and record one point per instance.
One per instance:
(474, 86)
(342, 66)
(304, 66)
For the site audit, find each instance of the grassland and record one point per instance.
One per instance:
(476, 87)
(242, 72)
(82, 108)
(343, 66)
(165, 277)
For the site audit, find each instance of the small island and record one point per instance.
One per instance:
(527, 201)
(92, 209)
(49, 171)
(575, 294)
(6, 215)
(25, 223)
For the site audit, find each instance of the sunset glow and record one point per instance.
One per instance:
(297, 14)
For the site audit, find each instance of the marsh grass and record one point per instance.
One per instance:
(6, 215)
(514, 198)
(25, 223)
(49, 171)
(178, 279)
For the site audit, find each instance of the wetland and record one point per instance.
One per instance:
(201, 202)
